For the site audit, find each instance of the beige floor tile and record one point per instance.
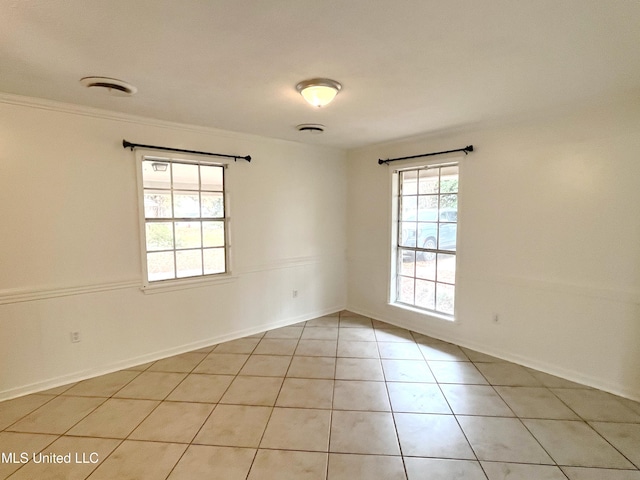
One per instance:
(14, 445)
(57, 416)
(552, 381)
(520, 471)
(306, 393)
(151, 385)
(378, 324)
(222, 363)
(631, 404)
(443, 469)
(456, 372)
(298, 429)
(140, 461)
(443, 351)
(257, 335)
(288, 465)
(102, 386)
(370, 467)
(242, 345)
(363, 432)
(624, 436)
(535, 402)
(312, 367)
(355, 322)
(399, 351)
(326, 321)
(266, 366)
(316, 348)
(357, 349)
(57, 390)
(417, 398)
(175, 422)
(508, 374)
(320, 333)
(201, 388)
(182, 363)
(253, 391)
(361, 395)
(479, 357)
(502, 440)
(84, 454)
(359, 369)
(349, 313)
(207, 462)
(276, 346)
(326, 378)
(234, 426)
(445, 438)
(394, 335)
(207, 349)
(285, 332)
(574, 473)
(407, 371)
(140, 368)
(357, 334)
(13, 410)
(596, 405)
(116, 418)
(426, 340)
(575, 444)
(475, 400)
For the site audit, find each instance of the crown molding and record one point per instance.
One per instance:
(74, 109)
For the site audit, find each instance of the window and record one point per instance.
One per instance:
(426, 240)
(185, 221)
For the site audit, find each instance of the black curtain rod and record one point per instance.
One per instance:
(126, 144)
(466, 150)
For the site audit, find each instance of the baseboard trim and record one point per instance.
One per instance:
(571, 375)
(152, 357)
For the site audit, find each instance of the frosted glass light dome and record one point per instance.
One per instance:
(319, 91)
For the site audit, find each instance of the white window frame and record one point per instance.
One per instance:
(394, 250)
(194, 281)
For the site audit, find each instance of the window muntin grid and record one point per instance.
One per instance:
(185, 219)
(427, 237)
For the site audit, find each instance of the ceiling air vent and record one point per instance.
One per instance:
(312, 128)
(111, 86)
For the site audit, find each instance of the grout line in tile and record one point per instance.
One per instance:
(464, 434)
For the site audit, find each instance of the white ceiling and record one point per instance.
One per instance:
(407, 66)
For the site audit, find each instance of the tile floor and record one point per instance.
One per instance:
(339, 397)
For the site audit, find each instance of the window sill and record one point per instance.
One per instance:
(428, 313)
(186, 283)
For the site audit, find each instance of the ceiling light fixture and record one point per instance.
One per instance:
(319, 91)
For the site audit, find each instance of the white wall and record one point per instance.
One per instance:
(549, 239)
(70, 256)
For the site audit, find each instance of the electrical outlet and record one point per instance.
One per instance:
(75, 337)
(294, 294)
